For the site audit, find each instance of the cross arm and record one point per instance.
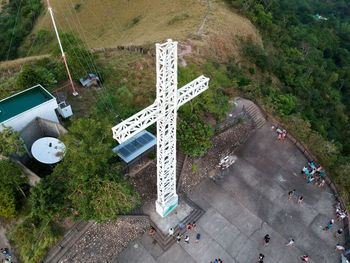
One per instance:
(136, 123)
(191, 90)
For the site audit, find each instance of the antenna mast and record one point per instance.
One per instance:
(59, 42)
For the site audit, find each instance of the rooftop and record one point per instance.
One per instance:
(23, 101)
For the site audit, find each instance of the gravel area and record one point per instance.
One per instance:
(145, 182)
(223, 144)
(103, 242)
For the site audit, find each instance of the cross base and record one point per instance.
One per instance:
(164, 210)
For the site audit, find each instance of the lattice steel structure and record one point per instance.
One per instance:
(164, 112)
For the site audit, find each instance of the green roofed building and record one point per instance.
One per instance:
(18, 110)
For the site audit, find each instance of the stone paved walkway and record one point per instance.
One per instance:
(248, 203)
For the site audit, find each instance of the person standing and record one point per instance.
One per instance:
(187, 239)
(178, 238)
(171, 231)
(290, 243)
(300, 200)
(266, 240)
(290, 194)
(305, 258)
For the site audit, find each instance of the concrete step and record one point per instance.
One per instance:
(164, 240)
(69, 239)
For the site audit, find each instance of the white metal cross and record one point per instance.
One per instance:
(164, 112)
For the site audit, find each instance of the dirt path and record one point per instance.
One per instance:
(204, 19)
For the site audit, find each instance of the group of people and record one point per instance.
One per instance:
(179, 236)
(313, 174)
(6, 253)
(281, 134)
(217, 261)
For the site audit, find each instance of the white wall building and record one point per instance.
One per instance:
(18, 110)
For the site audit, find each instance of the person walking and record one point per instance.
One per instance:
(187, 239)
(261, 258)
(290, 243)
(198, 237)
(300, 200)
(338, 233)
(266, 240)
(290, 194)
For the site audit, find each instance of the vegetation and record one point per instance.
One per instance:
(17, 19)
(12, 188)
(194, 136)
(311, 58)
(34, 237)
(10, 143)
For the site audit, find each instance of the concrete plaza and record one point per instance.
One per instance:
(248, 203)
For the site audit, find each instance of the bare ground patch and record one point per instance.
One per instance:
(103, 242)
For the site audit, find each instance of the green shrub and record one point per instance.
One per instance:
(252, 70)
(33, 238)
(195, 168)
(194, 136)
(136, 19)
(77, 6)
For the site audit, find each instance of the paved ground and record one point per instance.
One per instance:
(248, 203)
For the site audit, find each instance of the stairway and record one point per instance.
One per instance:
(69, 239)
(255, 115)
(180, 159)
(164, 240)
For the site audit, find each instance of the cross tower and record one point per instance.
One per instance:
(164, 112)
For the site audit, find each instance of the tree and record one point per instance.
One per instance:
(11, 187)
(194, 136)
(31, 76)
(10, 142)
(94, 187)
(47, 198)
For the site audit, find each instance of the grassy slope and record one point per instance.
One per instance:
(108, 23)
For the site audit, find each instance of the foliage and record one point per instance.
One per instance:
(77, 6)
(136, 19)
(195, 168)
(94, 187)
(10, 142)
(33, 238)
(11, 188)
(194, 136)
(81, 60)
(47, 198)
(17, 18)
(31, 76)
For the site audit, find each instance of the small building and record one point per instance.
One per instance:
(133, 150)
(92, 79)
(20, 109)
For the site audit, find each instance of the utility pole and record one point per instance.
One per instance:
(75, 93)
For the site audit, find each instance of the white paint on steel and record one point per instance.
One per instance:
(164, 112)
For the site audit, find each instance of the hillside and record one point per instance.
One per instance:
(109, 23)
